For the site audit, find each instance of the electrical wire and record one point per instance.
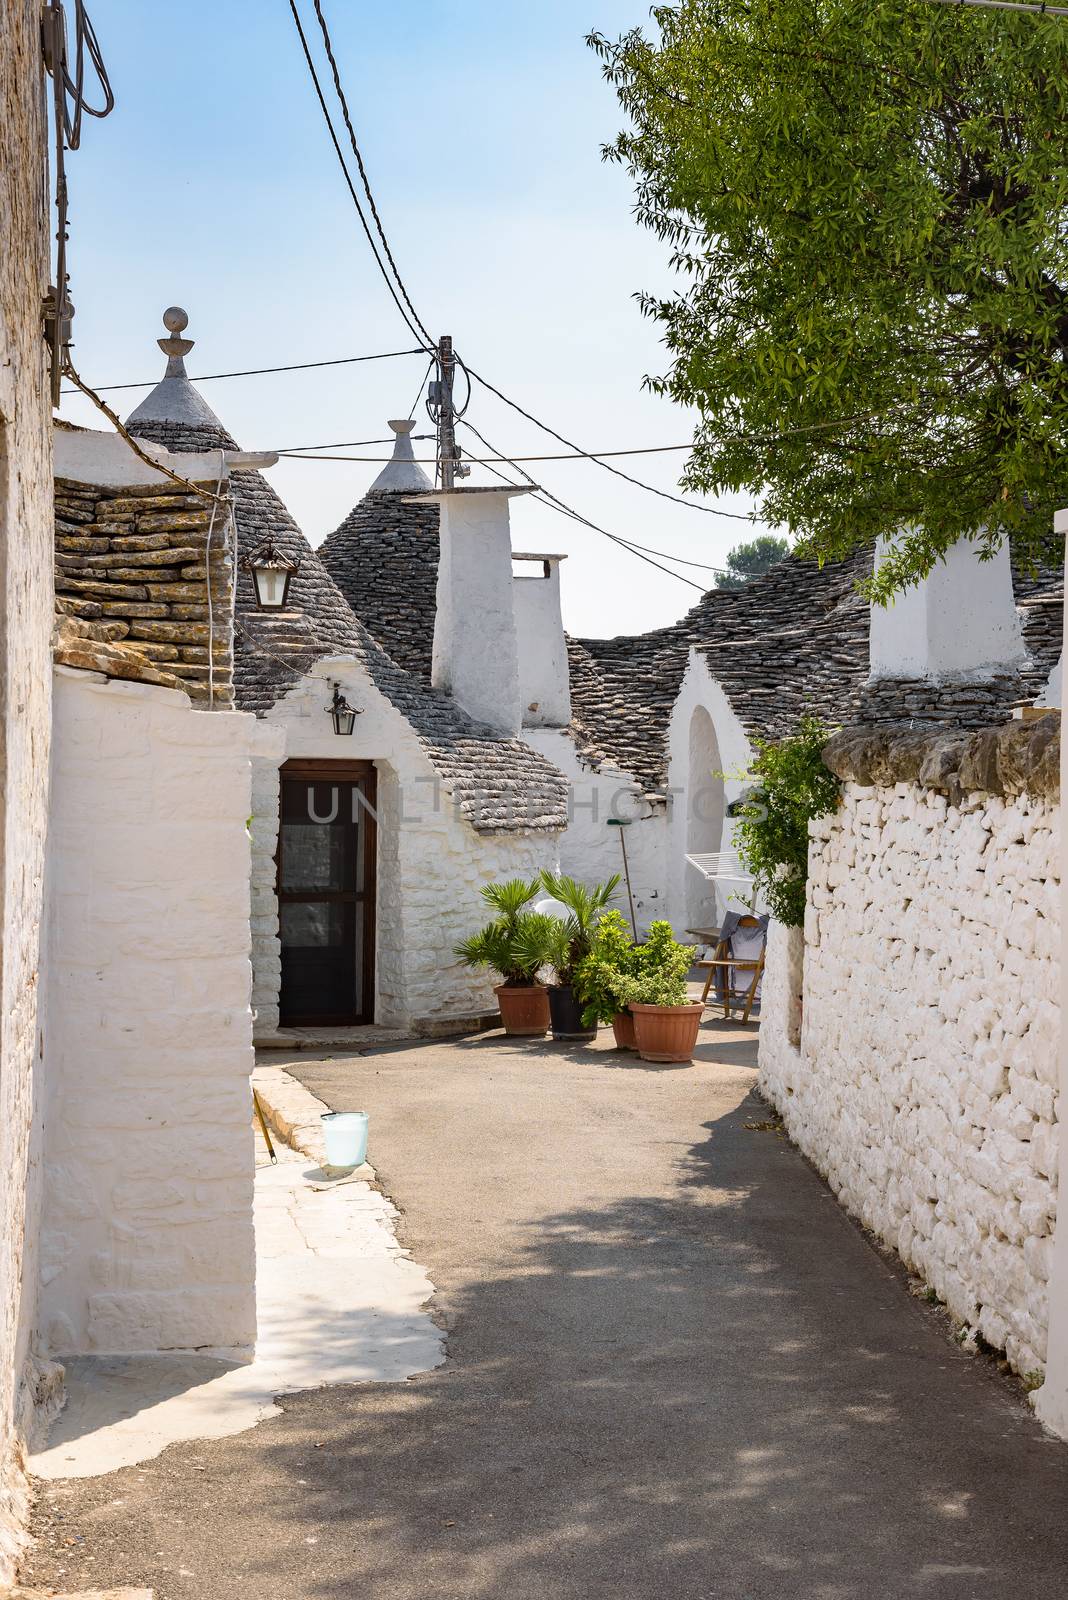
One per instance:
(546, 497)
(122, 430)
(329, 48)
(712, 511)
(422, 386)
(256, 372)
(1007, 5)
(575, 455)
(417, 332)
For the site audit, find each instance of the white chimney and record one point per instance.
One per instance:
(544, 680)
(960, 620)
(476, 659)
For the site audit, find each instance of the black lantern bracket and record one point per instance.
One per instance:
(343, 715)
(272, 572)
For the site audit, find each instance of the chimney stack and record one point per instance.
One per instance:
(544, 677)
(476, 660)
(959, 621)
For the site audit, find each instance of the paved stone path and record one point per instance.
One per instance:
(676, 1372)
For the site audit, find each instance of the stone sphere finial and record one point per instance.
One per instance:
(175, 319)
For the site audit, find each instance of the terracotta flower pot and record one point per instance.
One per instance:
(623, 1028)
(667, 1033)
(524, 1009)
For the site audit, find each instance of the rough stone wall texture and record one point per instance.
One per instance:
(431, 861)
(132, 585)
(147, 1241)
(25, 691)
(925, 1085)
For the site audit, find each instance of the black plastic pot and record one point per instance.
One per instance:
(565, 1014)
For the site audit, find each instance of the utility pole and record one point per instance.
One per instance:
(446, 416)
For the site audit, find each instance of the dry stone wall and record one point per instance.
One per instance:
(925, 1084)
(132, 589)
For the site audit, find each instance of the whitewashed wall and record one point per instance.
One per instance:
(431, 863)
(590, 850)
(25, 692)
(925, 1086)
(147, 1241)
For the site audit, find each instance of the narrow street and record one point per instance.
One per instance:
(676, 1371)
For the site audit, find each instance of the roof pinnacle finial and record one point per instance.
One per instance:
(175, 320)
(402, 473)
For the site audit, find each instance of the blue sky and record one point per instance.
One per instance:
(213, 185)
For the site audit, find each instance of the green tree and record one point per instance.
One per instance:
(869, 207)
(748, 561)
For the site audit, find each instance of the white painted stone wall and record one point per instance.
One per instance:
(431, 863)
(589, 849)
(925, 1087)
(147, 1240)
(26, 536)
(544, 674)
(1052, 1399)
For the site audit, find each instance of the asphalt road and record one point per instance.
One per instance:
(676, 1372)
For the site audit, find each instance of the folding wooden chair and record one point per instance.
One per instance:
(726, 963)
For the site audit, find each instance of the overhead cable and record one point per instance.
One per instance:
(546, 497)
(1008, 5)
(571, 445)
(415, 328)
(329, 48)
(256, 372)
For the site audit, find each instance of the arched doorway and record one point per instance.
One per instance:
(705, 810)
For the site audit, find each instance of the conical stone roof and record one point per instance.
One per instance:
(499, 784)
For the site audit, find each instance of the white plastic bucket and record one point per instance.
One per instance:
(346, 1138)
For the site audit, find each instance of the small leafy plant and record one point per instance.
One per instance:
(613, 957)
(662, 970)
(794, 787)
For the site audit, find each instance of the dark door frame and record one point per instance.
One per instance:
(365, 773)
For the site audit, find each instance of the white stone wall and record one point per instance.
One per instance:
(147, 1241)
(925, 1088)
(590, 850)
(476, 659)
(431, 863)
(910, 638)
(26, 536)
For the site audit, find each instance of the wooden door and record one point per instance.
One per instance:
(326, 893)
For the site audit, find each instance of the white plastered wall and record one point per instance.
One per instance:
(590, 849)
(700, 797)
(431, 862)
(147, 1240)
(26, 543)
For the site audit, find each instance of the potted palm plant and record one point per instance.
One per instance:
(569, 946)
(666, 1022)
(514, 945)
(613, 956)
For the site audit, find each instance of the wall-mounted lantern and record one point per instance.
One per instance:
(272, 573)
(343, 715)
